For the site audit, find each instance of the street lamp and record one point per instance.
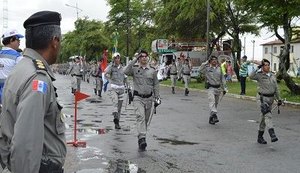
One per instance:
(76, 7)
(253, 42)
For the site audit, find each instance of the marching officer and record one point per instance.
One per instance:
(186, 75)
(118, 81)
(146, 89)
(267, 93)
(32, 130)
(76, 74)
(97, 74)
(215, 84)
(173, 75)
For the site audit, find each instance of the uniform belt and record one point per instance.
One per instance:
(187, 74)
(173, 73)
(266, 95)
(135, 93)
(214, 86)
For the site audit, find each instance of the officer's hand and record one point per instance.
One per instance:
(279, 102)
(260, 66)
(224, 92)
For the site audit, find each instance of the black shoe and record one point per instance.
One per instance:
(211, 120)
(215, 118)
(117, 125)
(173, 90)
(142, 144)
(260, 138)
(272, 135)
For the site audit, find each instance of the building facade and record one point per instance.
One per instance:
(272, 50)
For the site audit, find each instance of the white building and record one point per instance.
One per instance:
(271, 51)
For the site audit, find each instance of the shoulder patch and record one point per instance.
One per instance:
(39, 86)
(39, 65)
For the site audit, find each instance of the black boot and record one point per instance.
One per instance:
(272, 135)
(186, 93)
(216, 120)
(117, 125)
(173, 90)
(95, 91)
(99, 93)
(260, 138)
(211, 120)
(72, 91)
(142, 144)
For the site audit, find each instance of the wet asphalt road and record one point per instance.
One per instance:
(179, 137)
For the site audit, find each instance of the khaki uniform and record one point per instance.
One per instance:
(186, 75)
(117, 80)
(216, 84)
(31, 126)
(146, 88)
(97, 73)
(75, 71)
(267, 92)
(173, 74)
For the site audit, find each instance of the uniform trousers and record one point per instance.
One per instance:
(213, 99)
(173, 80)
(186, 79)
(265, 120)
(143, 110)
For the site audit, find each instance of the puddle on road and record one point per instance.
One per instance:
(99, 131)
(175, 142)
(120, 166)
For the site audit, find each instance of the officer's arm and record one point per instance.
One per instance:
(253, 75)
(28, 138)
(107, 72)
(203, 66)
(128, 69)
(155, 85)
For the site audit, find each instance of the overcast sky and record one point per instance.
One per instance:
(20, 10)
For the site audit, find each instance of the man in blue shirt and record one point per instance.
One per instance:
(9, 56)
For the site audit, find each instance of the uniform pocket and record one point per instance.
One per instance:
(59, 121)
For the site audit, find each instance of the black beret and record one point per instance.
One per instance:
(42, 18)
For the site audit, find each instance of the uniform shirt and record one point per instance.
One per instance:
(186, 69)
(144, 79)
(173, 69)
(75, 69)
(213, 75)
(267, 82)
(115, 74)
(31, 125)
(8, 59)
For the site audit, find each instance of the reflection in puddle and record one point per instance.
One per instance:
(95, 131)
(175, 142)
(124, 166)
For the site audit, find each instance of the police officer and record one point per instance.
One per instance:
(118, 80)
(146, 89)
(32, 131)
(97, 74)
(9, 56)
(267, 92)
(186, 75)
(215, 85)
(76, 74)
(173, 75)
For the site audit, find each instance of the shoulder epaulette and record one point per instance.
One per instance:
(39, 65)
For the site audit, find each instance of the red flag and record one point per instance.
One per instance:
(80, 96)
(104, 57)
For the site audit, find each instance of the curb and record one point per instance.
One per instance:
(287, 103)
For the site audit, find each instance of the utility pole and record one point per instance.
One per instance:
(128, 27)
(5, 16)
(207, 28)
(78, 10)
(253, 42)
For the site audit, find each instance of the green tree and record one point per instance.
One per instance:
(88, 39)
(275, 15)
